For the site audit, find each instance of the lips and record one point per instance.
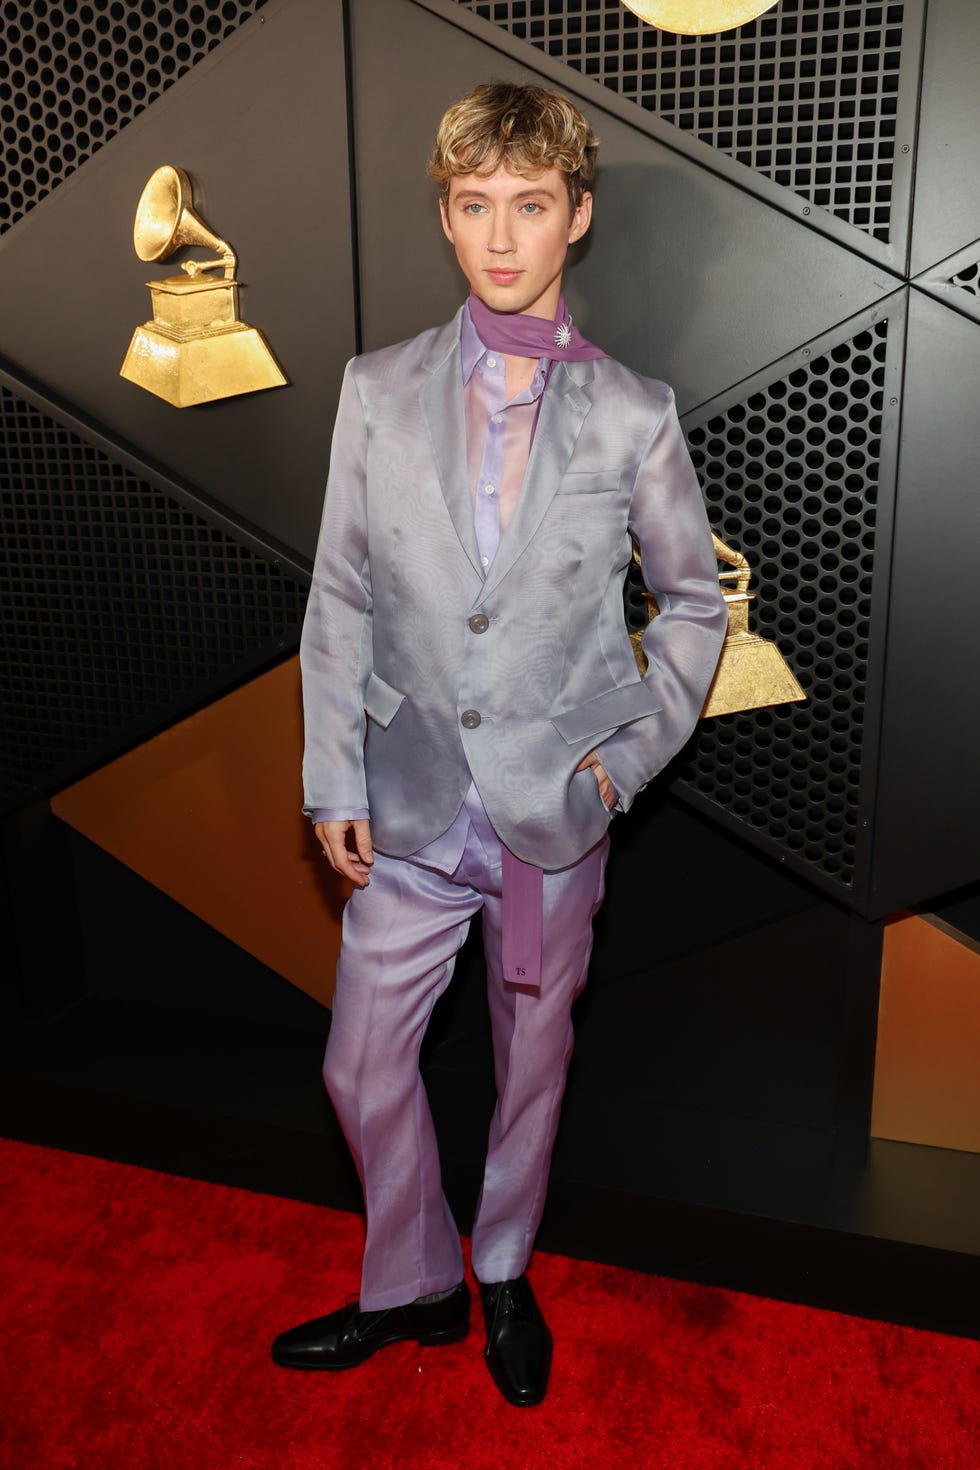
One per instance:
(504, 277)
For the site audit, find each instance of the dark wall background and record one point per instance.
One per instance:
(787, 230)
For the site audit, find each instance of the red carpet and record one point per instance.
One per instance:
(138, 1309)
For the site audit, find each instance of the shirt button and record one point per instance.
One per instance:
(469, 719)
(491, 362)
(479, 623)
(485, 561)
(488, 489)
(498, 418)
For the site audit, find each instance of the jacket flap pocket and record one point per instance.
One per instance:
(607, 712)
(381, 702)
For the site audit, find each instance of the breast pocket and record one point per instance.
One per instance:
(590, 482)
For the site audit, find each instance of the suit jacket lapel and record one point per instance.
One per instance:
(442, 406)
(564, 407)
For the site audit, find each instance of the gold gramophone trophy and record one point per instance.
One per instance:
(195, 349)
(752, 672)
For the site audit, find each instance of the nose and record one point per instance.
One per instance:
(501, 238)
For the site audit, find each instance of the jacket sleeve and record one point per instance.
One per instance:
(336, 648)
(682, 644)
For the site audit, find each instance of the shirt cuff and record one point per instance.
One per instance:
(338, 814)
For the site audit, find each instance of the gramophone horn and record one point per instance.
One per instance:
(165, 220)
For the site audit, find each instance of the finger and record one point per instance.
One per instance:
(342, 860)
(588, 761)
(348, 865)
(329, 834)
(335, 851)
(606, 788)
(362, 841)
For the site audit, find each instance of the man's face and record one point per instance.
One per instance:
(511, 234)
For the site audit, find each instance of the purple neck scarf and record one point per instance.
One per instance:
(517, 335)
(522, 887)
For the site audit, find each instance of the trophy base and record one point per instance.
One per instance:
(200, 369)
(752, 674)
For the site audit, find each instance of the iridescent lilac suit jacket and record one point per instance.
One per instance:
(421, 673)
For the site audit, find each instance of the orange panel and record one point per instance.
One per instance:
(209, 812)
(927, 1069)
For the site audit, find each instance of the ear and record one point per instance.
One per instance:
(444, 217)
(581, 219)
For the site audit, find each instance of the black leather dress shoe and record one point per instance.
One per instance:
(347, 1337)
(518, 1350)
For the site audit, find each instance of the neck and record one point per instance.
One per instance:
(546, 306)
(545, 309)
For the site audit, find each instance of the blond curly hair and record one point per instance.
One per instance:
(530, 129)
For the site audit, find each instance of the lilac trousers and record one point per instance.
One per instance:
(401, 936)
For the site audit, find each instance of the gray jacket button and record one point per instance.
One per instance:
(479, 623)
(469, 719)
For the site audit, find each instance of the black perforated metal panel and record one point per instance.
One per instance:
(790, 477)
(119, 604)
(75, 72)
(806, 95)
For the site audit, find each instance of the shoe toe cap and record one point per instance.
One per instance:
(310, 1343)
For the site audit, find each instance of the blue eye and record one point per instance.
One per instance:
(532, 208)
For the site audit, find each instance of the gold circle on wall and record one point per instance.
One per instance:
(697, 17)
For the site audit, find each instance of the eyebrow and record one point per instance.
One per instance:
(524, 194)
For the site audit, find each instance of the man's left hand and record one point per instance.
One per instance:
(606, 788)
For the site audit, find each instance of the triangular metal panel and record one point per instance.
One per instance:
(705, 287)
(927, 809)
(798, 469)
(61, 107)
(849, 147)
(947, 180)
(126, 603)
(261, 127)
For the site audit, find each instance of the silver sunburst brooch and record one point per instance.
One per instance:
(563, 333)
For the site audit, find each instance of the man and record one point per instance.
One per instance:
(466, 617)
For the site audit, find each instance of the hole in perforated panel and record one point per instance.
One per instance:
(968, 279)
